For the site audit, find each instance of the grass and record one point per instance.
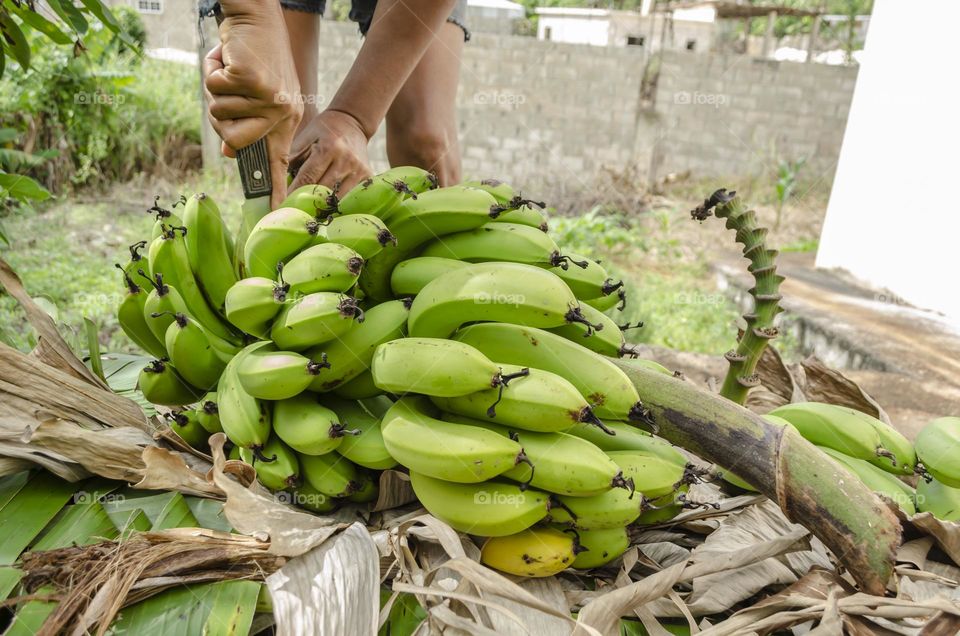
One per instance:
(65, 252)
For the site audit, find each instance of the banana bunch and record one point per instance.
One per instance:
(401, 325)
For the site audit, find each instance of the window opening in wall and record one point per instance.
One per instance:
(547, 33)
(691, 45)
(635, 40)
(150, 6)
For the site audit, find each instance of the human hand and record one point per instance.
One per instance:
(251, 85)
(330, 148)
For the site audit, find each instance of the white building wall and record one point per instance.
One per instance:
(586, 29)
(894, 214)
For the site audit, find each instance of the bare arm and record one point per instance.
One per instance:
(331, 145)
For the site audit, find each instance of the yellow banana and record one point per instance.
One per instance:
(535, 552)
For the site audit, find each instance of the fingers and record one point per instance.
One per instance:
(240, 133)
(312, 169)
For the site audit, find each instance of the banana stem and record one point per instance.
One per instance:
(742, 376)
(807, 485)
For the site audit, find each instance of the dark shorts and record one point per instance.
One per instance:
(361, 12)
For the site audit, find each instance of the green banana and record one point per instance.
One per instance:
(192, 353)
(209, 414)
(374, 195)
(489, 509)
(844, 429)
(494, 292)
(534, 400)
(938, 447)
(510, 242)
(878, 480)
(606, 303)
(269, 374)
(163, 217)
(614, 508)
(534, 552)
(307, 426)
(137, 260)
(413, 274)
(445, 450)
(186, 425)
(161, 305)
(939, 499)
(359, 388)
(252, 304)
(367, 491)
(133, 321)
(525, 215)
(417, 180)
(314, 319)
(331, 474)
(628, 438)
(597, 332)
(161, 384)
(506, 196)
(434, 367)
(209, 249)
(314, 199)
(168, 256)
(652, 365)
(599, 547)
(606, 387)
(664, 508)
(276, 238)
(245, 419)
(280, 470)
(588, 280)
(558, 462)
(309, 498)
(363, 233)
(904, 456)
(652, 475)
(350, 355)
(432, 214)
(367, 448)
(328, 267)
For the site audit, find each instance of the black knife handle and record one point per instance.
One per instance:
(254, 168)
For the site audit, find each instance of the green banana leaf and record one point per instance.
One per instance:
(51, 513)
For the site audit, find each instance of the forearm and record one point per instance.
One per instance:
(304, 31)
(400, 33)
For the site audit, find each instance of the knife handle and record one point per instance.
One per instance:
(254, 168)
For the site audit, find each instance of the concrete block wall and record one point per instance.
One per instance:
(532, 110)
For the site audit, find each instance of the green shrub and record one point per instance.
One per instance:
(106, 114)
